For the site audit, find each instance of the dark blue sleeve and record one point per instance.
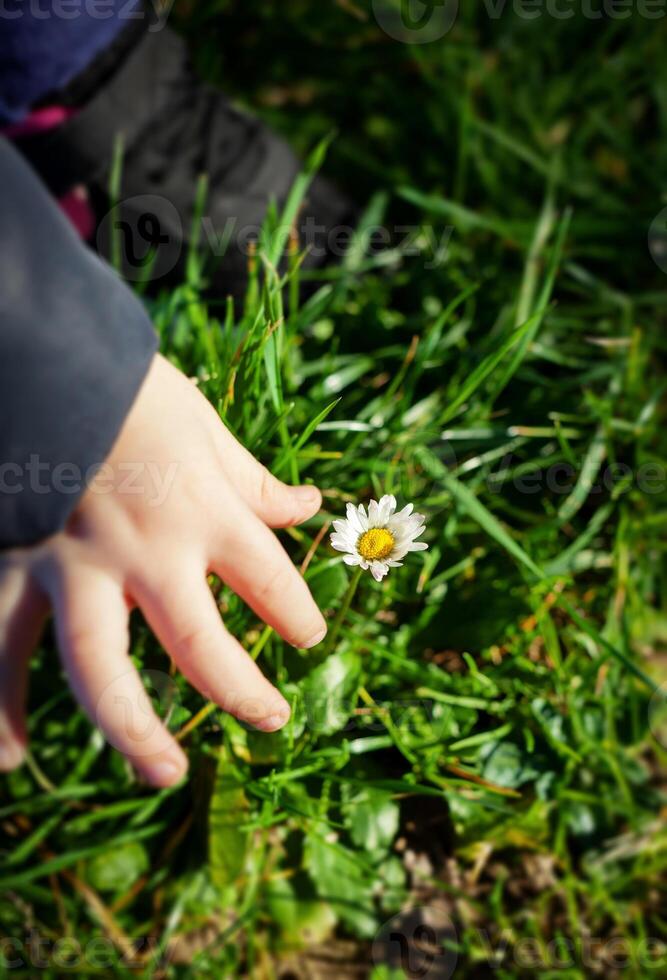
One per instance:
(75, 346)
(44, 45)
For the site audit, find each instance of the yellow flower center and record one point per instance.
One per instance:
(376, 544)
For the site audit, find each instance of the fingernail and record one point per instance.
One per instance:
(12, 755)
(314, 640)
(276, 720)
(273, 723)
(165, 773)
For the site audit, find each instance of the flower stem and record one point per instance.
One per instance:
(342, 613)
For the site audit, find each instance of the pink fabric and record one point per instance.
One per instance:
(38, 121)
(75, 204)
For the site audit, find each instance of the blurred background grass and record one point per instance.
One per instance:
(483, 746)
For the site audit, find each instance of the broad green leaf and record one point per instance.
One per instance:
(118, 868)
(328, 583)
(227, 841)
(505, 764)
(303, 919)
(373, 820)
(343, 880)
(328, 691)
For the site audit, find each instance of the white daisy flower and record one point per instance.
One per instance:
(380, 539)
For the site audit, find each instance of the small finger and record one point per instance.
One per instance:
(255, 565)
(92, 620)
(23, 611)
(274, 502)
(185, 618)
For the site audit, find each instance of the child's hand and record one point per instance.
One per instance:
(177, 498)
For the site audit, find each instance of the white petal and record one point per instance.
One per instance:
(342, 544)
(353, 518)
(387, 507)
(418, 546)
(413, 521)
(404, 535)
(343, 531)
(352, 559)
(373, 514)
(399, 552)
(401, 522)
(378, 570)
(363, 562)
(361, 517)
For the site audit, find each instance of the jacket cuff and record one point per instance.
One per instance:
(75, 346)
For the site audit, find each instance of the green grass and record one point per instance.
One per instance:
(478, 739)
